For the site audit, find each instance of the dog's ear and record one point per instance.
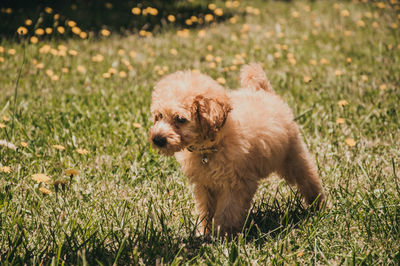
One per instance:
(211, 114)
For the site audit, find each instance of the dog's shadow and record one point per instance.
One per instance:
(269, 218)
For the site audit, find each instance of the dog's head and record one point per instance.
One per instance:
(188, 109)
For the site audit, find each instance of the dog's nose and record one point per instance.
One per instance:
(160, 141)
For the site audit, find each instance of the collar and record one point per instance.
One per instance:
(204, 151)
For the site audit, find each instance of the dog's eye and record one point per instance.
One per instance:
(180, 120)
(158, 117)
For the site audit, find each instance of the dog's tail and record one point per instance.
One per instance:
(253, 76)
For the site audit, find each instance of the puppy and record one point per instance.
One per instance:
(226, 141)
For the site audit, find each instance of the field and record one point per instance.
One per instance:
(80, 183)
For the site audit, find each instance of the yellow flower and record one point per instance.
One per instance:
(212, 6)
(338, 72)
(5, 118)
(340, 120)
(22, 30)
(201, 33)
(105, 32)
(171, 18)
(61, 29)
(39, 31)
(34, 39)
(2, 125)
(209, 57)
(12, 51)
(208, 17)
(49, 72)
(76, 30)
(59, 147)
(28, 22)
(48, 10)
(173, 51)
(45, 190)
(106, 75)
(380, 5)
(345, 13)
(71, 23)
(56, 16)
(383, 87)
(218, 59)
(360, 23)
(81, 69)
(347, 33)
(188, 22)
(64, 70)
(1, 59)
(212, 65)
(5, 169)
(55, 78)
(137, 125)
(83, 35)
(218, 12)
(233, 19)
(313, 62)
(82, 151)
(295, 14)
(307, 79)
(72, 52)
(342, 103)
(24, 144)
(112, 71)
(40, 66)
(98, 58)
(71, 172)
(1, 49)
(122, 74)
(49, 30)
(136, 11)
(221, 80)
(351, 142)
(348, 60)
(324, 61)
(41, 178)
(375, 25)
(364, 77)
(108, 5)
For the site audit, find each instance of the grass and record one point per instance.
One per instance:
(129, 205)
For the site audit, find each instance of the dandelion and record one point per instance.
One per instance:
(212, 6)
(98, 58)
(233, 20)
(307, 79)
(208, 17)
(212, 65)
(122, 74)
(71, 23)
(209, 57)
(48, 10)
(41, 178)
(112, 71)
(218, 12)
(39, 31)
(338, 72)
(56, 16)
(350, 142)
(171, 18)
(49, 72)
(106, 75)
(394, 26)
(342, 103)
(45, 190)
(364, 78)
(5, 169)
(324, 61)
(221, 80)
(1, 59)
(136, 11)
(24, 144)
(2, 125)
(76, 30)
(83, 35)
(360, 23)
(345, 13)
(383, 87)
(34, 39)
(5, 118)
(12, 51)
(82, 151)
(22, 30)
(348, 60)
(72, 172)
(48, 30)
(218, 59)
(1, 49)
(61, 29)
(59, 147)
(188, 22)
(132, 54)
(201, 33)
(381, 5)
(28, 22)
(81, 69)
(340, 120)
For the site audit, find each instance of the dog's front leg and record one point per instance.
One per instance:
(232, 207)
(205, 203)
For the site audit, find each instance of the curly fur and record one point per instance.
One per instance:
(245, 134)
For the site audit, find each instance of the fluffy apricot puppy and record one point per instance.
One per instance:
(226, 141)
